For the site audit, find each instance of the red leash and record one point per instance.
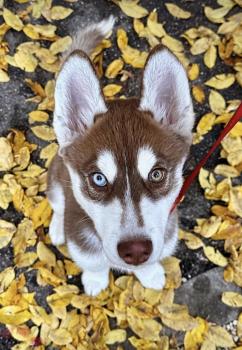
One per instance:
(234, 119)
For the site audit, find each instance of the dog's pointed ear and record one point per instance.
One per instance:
(165, 91)
(78, 98)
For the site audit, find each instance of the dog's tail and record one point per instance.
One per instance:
(88, 38)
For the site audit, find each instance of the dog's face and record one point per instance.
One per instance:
(125, 157)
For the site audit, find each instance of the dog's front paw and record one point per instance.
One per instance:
(152, 276)
(95, 282)
(56, 229)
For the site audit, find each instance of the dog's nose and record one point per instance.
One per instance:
(135, 252)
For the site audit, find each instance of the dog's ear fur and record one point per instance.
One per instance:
(78, 98)
(165, 91)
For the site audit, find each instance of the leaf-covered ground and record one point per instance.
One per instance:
(42, 305)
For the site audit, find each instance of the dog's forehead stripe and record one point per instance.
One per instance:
(106, 163)
(146, 159)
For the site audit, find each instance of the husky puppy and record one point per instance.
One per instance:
(119, 166)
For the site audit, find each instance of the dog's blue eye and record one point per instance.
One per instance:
(99, 179)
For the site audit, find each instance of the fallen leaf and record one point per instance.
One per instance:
(131, 8)
(220, 337)
(38, 116)
(154, 26)
(226, 170)
(193, 71)
(44, 132)
(114, 68)
(4, 77)
(198, 93)
(60, 45)
(177, 12)
(205, 124)
(215, 256)
(114, 336)
(216, 102)
(60, 12)
(12, 20)
(210, 56)
(111, 89)
(6, 155)
(221, 81)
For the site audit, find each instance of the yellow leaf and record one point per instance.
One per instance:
(14, 315)
(114, 336)
(226, 170)
(48, 153)
(200, 46)
(173, 44)
(236, 130)
(66, 290)
(114, 68)
(25, 259)
(177, 12)
(6, 155)
(216, 102)
(60, 336)
(60, 45)
(215, 256)
(144, 344)
(71, 268)
(216, 15)
(173, 272)
(111, 90)
(235, 158)
(46, 30)
(49, 278)
(41, 213)
(4, 78)
(235, 200)
(194, 338)
(6, 276)
(12, 20)
(176, 317)
(221, 81)
(44, 132)
(7, 230)
(193, 71)
(210, 56)
(131, 8)
(59, 12)
(26, 61)
(208, 227)
(38, 116)
(220, 337)
(205, 124)
(22, 158)
(191, 241)
(153, 25)
(198, 93)
(145, 328)
(134, 57)
(23, 333)
(46, 255)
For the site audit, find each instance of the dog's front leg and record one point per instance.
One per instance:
(151, 276)
(95, 275)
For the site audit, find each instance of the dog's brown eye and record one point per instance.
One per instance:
(157, 175)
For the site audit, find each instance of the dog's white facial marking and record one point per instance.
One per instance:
(146, 159)
(107, 164)
(115, 221)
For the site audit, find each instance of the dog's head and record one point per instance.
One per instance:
(125, 157)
